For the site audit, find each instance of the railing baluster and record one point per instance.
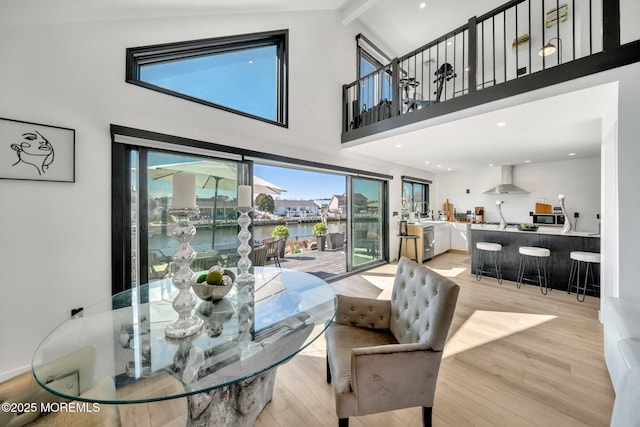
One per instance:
(573, 29)
(529, 34)
(559, 50)
(473, 54)
(395, 86)
(516, 39)
(493, 42)
(446, 43)
(429, 77)
(504, 36)
(464, 68)
(482, 39)
(590, 31)
(544, 63)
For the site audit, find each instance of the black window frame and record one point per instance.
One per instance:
(425, 189)
(155, 54)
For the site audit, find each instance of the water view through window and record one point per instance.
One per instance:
(309, 210)
(366, 200)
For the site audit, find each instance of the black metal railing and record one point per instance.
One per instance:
(515, 40)
(527, 36)
(369, 99)
(435, 72)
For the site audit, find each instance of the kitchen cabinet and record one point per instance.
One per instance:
(442, 240)
(459, 237)
(442, 235)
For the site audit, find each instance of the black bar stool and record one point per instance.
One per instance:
(404, 235)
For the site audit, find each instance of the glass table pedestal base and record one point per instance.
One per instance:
(237, 404)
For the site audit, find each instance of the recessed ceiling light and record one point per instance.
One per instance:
(527, 161)
(250, 62)
(439, 166)
(448, 169)
(572, 154)
(423, 5)
(490, 165)
(427, 162)
(501, 124)
(399, 145)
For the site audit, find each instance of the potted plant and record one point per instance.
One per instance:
(320, 231)
(281, 231)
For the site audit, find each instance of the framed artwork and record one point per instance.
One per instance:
(32, 151)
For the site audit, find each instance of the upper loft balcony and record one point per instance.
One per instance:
(518, 47)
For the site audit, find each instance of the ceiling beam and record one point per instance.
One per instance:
(354, 9)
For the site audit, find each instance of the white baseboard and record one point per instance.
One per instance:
(14, 372)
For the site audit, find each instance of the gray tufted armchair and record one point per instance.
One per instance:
(385, 355)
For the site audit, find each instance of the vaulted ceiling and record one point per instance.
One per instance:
(571, 121)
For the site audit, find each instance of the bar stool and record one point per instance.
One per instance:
(589, 259)
(403, 235)
(527, 255)
(494, 250)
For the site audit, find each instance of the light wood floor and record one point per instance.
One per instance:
(514, 358)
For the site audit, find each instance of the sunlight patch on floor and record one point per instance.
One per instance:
(450, 272)
(385, 284)
(483, 327)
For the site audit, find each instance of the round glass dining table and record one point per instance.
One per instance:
(116, 351)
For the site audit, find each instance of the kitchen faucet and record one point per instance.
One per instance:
(417, 207)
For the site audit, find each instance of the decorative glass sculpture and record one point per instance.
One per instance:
(186, 324)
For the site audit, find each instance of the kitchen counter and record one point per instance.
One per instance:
(541, 230)
(560, 245)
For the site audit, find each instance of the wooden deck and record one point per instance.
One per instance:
(324, 264)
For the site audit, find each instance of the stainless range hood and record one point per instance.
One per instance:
(506, 186)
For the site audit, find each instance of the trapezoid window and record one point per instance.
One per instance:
(244, 74)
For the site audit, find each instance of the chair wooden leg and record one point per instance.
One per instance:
(343, 422)
(426, 416)
(328, 371)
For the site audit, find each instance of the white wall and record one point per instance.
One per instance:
(628, 179)
(55, 252)
(578, 180)
(56, 239)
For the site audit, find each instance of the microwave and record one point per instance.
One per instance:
(548, 219)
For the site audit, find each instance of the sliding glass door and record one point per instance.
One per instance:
(289, 203)
(368, 220)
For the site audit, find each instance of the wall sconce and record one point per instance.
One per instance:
(550, 49)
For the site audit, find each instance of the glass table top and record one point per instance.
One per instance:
(117, 352)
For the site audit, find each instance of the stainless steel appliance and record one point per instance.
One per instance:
(428, 238)
(548, 219)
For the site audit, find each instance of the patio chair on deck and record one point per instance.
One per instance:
(258, 256)
(157, 268)
(273, 246)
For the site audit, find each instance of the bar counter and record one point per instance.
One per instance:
(560, 245)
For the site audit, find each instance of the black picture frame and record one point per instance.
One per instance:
(36, 152)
